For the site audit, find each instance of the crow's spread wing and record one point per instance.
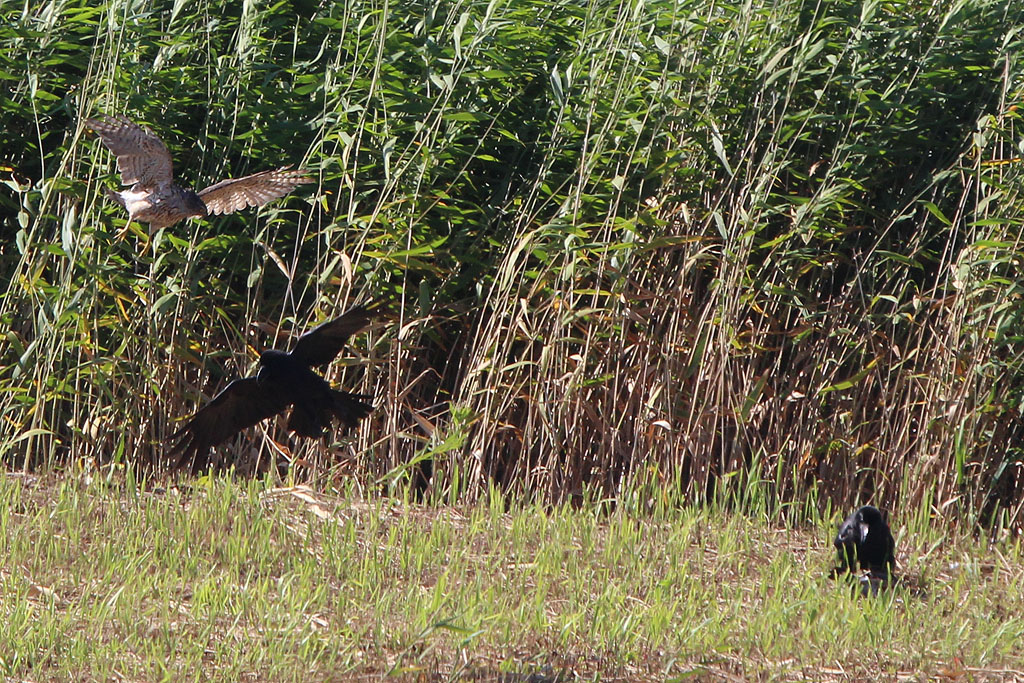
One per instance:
(142, 157)
(257, 189)
(242, 404)
(320, 345)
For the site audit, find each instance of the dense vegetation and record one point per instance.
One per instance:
(710, 247)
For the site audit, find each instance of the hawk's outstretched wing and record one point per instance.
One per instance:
(241, 404)
(257, 189)
(320, 345)
(142, 157)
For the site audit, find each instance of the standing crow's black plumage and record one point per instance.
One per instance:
(283, 379)
(864, 539)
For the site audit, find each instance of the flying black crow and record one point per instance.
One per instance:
(283, 379)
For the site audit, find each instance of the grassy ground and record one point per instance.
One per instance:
(226, 581)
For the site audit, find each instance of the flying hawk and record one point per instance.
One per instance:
(153, 197)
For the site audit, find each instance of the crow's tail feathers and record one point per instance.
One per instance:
(348, 408)
(312, 419)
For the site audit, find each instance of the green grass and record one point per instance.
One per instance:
(228, 581)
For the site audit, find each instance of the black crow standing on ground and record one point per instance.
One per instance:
(283, 379)
(864, 539)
